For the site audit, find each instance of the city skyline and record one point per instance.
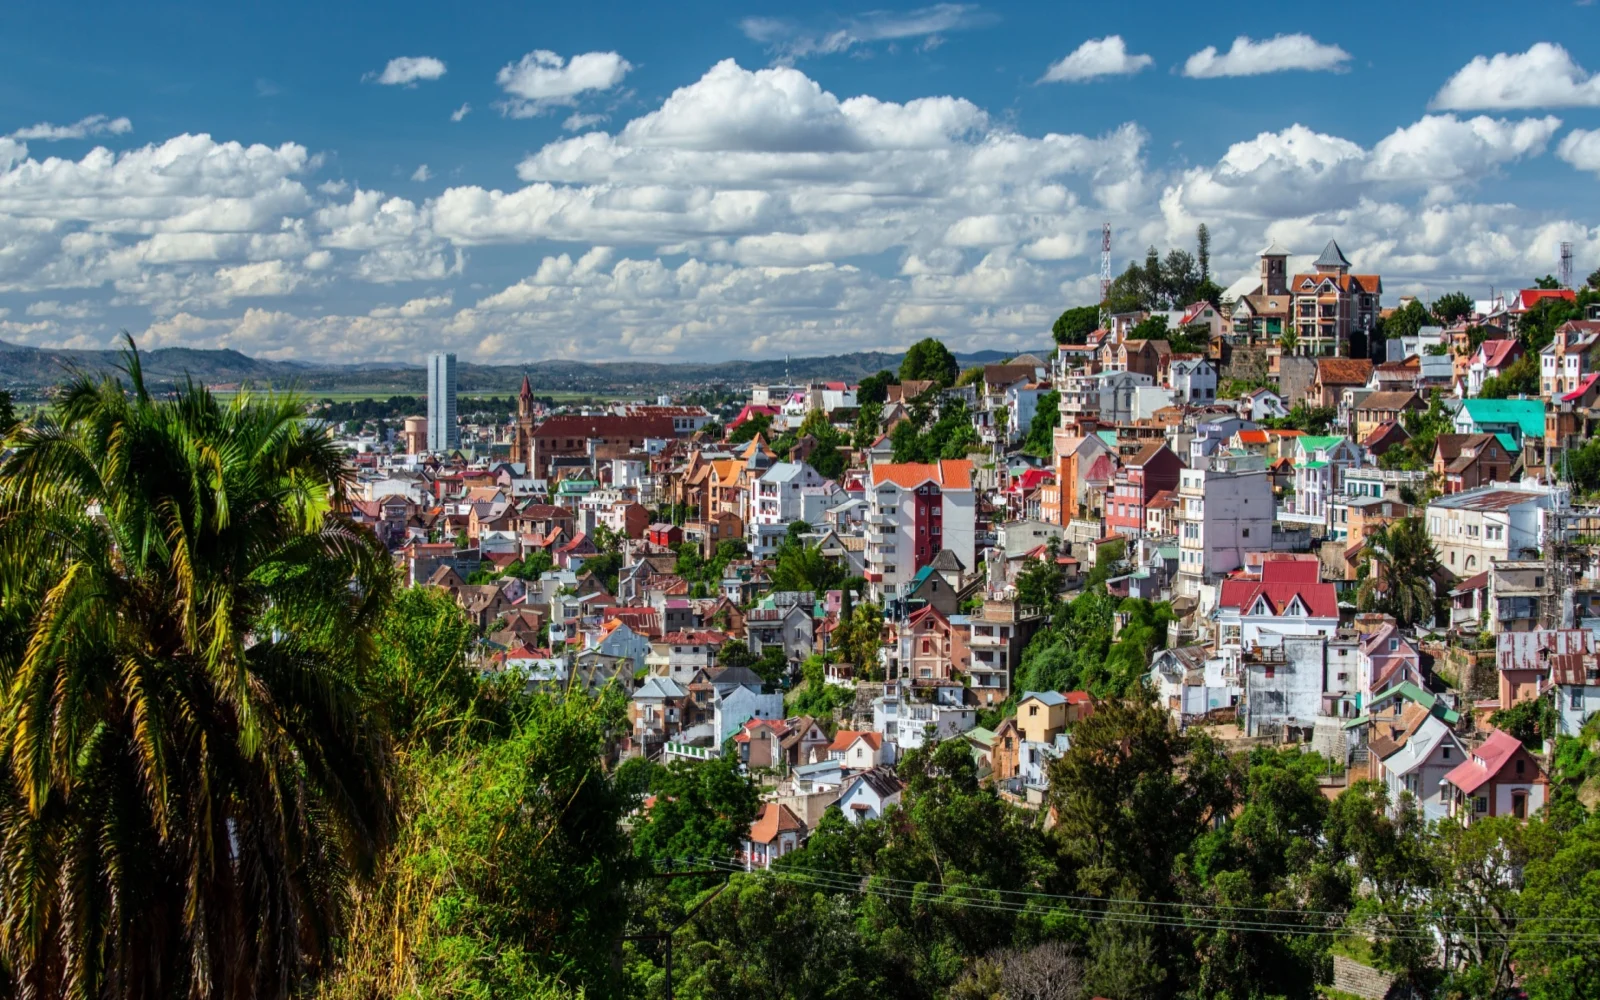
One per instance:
(744, 183)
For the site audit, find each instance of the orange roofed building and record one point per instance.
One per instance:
(916, 510)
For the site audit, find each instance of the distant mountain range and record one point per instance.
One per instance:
(27, 371)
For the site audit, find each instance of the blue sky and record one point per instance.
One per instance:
(356, 182)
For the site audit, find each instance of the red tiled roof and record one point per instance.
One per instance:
(1253, 437)
(1529, 297)
(775, 818)
(1320, 599)
(1497, 353)
(1343, 371)
(844, 738)
(1291, 571)
(1495, 752)
(696, 637)
(954, 474)
(1583, 387)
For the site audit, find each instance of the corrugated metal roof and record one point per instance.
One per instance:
(1532, 650)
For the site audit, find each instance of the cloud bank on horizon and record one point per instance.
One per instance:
(751, 209)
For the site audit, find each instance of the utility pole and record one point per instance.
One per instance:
(1566, 264)
(1105, 270)
(667, 935)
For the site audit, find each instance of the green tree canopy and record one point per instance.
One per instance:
(929, 360)
(1074, 325)
(875, 388)
(1405, 566)
(1040, 439)
(1452, 307)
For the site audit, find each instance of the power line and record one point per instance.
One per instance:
(1102, 908)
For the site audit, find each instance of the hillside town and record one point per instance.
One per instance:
(1384, 561)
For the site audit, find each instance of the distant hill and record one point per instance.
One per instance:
(28, 371)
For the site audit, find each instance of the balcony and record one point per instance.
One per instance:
(880, 520)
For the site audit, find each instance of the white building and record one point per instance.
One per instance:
(1319, 467)
(1418, 767)
(910, 722)
(914, 511)
(1575, 678)
(1283, 687)
(1193, 379)
(1222, 514)
(1500, 521)
(870, 793)
(776, 499)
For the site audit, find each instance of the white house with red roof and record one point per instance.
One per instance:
(1499, 778)
(858, 750)
(914, 511)
(776, 832)
(1528, 298)
(1491, 359)
(1288, 599)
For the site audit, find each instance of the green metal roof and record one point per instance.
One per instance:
(1318, 464)
(1314, 443)
(1527, 414)
(1109, 437)
(1426, 699)
(1509, 443)
(980, 735)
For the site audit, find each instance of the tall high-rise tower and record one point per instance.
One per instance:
(443, 434)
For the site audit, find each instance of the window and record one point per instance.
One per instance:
(1033, 710)
(1445, 755)
(1394, 644)
(1480, 804)
(1522, 767)
(1577, 698)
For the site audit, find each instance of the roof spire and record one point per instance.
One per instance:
(1332, 257)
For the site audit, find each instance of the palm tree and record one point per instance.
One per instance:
(188, 777)
(1288, 341)
(1404, 568)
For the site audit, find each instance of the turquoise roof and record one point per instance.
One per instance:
(1509, 443)
(1312, 443)
(1109, 437)
(1426, 699)
(1526, 414)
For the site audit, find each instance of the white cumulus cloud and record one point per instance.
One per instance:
(80, 129)
(1581, 148)
(1096, 58)
(543, 78)
(406, 71)
(1545, 76)
(1248, 57)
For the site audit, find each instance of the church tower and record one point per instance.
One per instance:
(523, 452)
(1274, 270)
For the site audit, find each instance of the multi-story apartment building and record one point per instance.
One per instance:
(1497, 522)
(1000, 632)
(777, 498)
(1223, 512)
(1153, 469)
(1573, 355)
(1330, 303)
(1320, 463)
(915, 510)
